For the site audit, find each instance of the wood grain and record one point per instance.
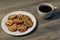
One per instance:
(46, 29)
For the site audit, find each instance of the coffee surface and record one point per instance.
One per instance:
(45, 8)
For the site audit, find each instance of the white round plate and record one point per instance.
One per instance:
(17, 33)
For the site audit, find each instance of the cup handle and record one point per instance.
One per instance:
(56, 7)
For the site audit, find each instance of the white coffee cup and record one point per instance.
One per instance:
(46, 14)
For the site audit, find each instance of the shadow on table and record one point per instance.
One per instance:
(30, 32)
(56, 15)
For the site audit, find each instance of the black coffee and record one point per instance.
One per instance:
(45, 8)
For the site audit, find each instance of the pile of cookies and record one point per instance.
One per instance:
(18, 22)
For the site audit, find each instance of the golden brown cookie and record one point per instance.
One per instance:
(18, 21)
(9, 22)
(12, 28)
(20, 16)
(22, 28)
(25, 17)
(28, 23)
(12, 16)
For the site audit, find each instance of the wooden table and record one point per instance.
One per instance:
(46, 29)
